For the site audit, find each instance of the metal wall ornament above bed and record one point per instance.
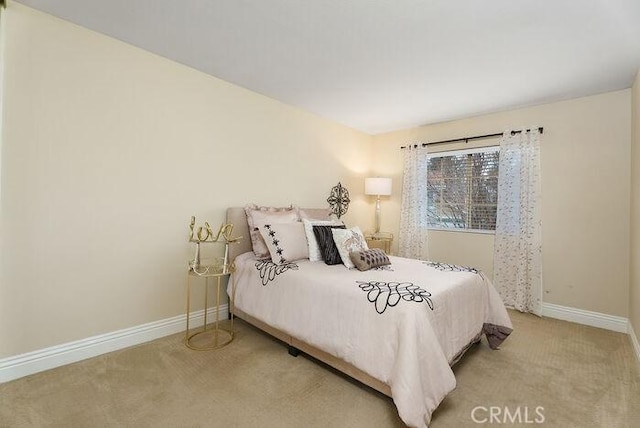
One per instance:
(339, 200)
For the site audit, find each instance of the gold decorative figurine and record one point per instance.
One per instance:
(205, 235)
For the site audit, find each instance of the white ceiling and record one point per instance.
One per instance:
(382, 65)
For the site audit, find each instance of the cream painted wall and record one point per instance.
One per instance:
(585, 196)
(107, 152)
(634, 291)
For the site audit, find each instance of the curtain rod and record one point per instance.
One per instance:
(467, 139)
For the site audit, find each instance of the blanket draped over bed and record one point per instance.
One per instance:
(403, 324)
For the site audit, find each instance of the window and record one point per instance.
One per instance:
(462, 189)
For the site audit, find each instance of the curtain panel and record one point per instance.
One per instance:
(413, 211)
(518, 240)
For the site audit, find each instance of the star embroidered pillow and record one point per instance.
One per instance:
(286, 242)
(259, 216)
(348, 241)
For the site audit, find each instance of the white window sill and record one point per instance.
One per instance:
(477, 231)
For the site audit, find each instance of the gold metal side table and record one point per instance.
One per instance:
(219, 336)
(380, 240)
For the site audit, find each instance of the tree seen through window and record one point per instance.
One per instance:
(463, 190)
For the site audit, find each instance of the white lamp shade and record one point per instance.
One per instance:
(378, 186)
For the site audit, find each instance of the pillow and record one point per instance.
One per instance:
(348, 241)
(314, 250)
(327, 246)
(258, 216)
(286, 242)
(316, 213)
(367, 259)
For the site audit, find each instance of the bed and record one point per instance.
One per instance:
(396, 328)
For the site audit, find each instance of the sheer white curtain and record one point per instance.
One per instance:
(518, 242)
(413, 211)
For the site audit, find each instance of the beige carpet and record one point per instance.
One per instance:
(580, 376)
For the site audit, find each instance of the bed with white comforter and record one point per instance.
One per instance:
(403, 324)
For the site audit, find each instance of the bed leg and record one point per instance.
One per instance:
(293, 351)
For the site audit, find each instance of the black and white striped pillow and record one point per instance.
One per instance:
(328, 248)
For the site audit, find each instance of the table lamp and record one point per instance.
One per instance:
(377, 186)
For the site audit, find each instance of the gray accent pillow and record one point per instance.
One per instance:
(368, 259)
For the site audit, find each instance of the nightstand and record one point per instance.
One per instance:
(212, 336)
(380, 240)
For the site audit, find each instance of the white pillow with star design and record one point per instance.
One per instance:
(286, 242)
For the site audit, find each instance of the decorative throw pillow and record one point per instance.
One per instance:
(316, 214)
(367, 259)
(348, 241)
(314, 250)
(328, 248)
(286, 242)
(258, 216)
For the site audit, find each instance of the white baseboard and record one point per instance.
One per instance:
(634, 341)
(593, 319)
(580, 316)
(44, 359)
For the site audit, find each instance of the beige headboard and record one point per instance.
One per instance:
(238, 217)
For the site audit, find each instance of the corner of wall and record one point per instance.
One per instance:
(634, 251)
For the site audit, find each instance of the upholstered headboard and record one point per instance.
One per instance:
(238, 217)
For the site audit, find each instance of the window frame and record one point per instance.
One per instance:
(461, 152)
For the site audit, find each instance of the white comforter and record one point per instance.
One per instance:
(403, 325)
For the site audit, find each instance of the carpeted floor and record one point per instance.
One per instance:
(572, 375)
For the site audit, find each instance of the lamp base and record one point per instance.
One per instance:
(377, 230)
